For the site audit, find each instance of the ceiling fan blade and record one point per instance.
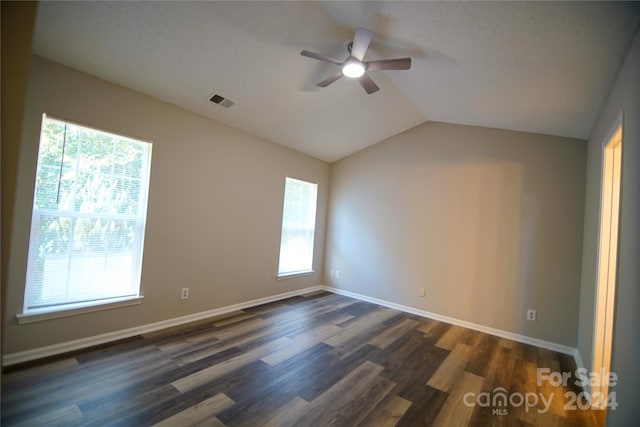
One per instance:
(326, 82)
(320, 57)
(389, 64)
(361, 40)
(368, 84)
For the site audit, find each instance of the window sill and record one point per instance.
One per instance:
(295, 274)
(75, 309)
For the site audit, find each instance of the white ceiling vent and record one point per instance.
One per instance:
(221, 100)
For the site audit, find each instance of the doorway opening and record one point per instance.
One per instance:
(607, 266)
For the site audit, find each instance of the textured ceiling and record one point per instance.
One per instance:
(528, 66)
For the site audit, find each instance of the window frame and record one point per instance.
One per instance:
(65, 309)
(310, 270)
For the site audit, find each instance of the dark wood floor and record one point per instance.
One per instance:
(318, 360)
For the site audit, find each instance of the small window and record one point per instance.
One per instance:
(298, 227)
(88, 218)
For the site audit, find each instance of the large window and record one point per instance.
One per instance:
(88, 218)
(298, 227)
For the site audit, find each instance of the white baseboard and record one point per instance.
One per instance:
(65, 347)
(580, 365)
(578, 358)
(481, 328)
(51, 350)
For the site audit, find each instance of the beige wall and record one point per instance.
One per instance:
(214, 213)
(488, 221)
(18, 20)
(624, 97)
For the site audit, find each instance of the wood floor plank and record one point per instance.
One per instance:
(387, 413)
(326, 409)
(302, 342)
(358, 332)
(315, 309)
(59, 417)
(245, 386)
(393, 333)
(410, 362)
(530, 414)
(360, 325)
(359, 309)
(452, 337)
(215, 347)
(215, 371)
(339, 320)
(426, 325)
(186, 327)
(316, 380)
(310, 373)
(103, 412)
(270, 390)
(434, 329)
(520, 384)
(363, 403)
(498, 374)
(455, 413)
(530, 353)
(82, 385)
(241, 316)
(447, 374)
(288, 414)
(265, 309)
(517, 349)
(38, 372)
(320, 360)
(127, 392)
(233, 330)
(238, 336)
(198, 413)
(210, 422)
(178, 345)
(481, 354)
(426, 403)
(108, 353)
(554, 395)
(501, 368)
(287, 323)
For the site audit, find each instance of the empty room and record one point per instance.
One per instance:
(343, 213)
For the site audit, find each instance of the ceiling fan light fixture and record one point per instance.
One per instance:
(353, 69)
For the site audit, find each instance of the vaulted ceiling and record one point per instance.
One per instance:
(542, 67)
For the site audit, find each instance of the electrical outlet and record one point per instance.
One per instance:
(531, 315)
(337, 274)
(421, 292)
(185, 293)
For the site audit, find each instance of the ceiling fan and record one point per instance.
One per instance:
(355, 67)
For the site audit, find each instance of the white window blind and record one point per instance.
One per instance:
(88, 218)
(298, 227)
